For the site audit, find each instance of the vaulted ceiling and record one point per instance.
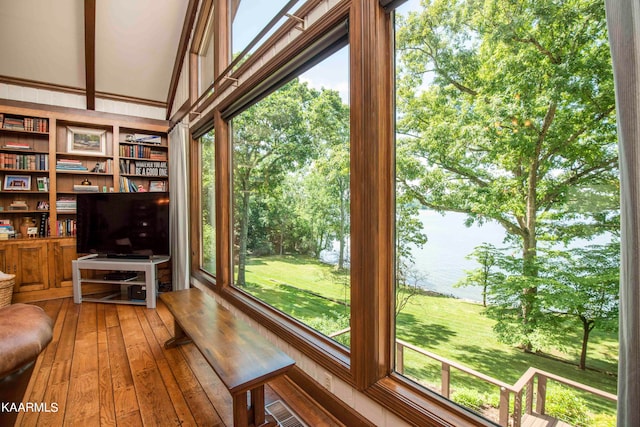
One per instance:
(112, 48)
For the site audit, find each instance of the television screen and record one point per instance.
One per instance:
(132, 225)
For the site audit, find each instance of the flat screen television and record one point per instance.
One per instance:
(123, 225)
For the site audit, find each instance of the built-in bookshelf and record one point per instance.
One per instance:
(24, 173)
(47, 159)
(143, 161)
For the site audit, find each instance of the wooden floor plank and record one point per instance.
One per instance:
(106, 366)
(83, 402)
(58, 387)
(154, 401)
(203, 410)
(124, 393)
(173, 389)
(105, 383)
(42, 370)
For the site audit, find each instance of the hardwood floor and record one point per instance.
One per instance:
(107, 366)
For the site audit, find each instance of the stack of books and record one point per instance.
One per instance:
(18, 205)
(66, 205)
(149, 139)
(13, 123)
(14, 145)
(70, 165)
(82, 188)
(6, 229)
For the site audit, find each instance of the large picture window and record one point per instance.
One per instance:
(291, 198)
(507, 206)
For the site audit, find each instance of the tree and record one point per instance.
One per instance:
(329, 127)
(269, 138)
(586, 288)
(507, 108)
(208, 202)
(487, 256)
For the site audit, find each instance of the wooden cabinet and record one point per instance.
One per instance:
(63, 251)
(27, 259)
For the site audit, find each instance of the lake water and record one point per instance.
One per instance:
(442, 259)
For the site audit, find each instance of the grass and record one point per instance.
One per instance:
(458, 330)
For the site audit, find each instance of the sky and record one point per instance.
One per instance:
(253, 15)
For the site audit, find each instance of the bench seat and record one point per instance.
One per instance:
(242, 358)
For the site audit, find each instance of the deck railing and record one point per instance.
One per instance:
(524, 386)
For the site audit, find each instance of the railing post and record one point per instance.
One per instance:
(542, 394)
(446, 379)
(504, 407)
(517, 409)
(399, 358)
(529, 396)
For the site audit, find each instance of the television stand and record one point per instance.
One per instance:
(128, 256)
(93, 262)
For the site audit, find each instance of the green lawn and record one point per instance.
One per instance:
(316, 294)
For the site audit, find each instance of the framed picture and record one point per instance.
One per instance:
(86, 141)
(157, 186)
(17, 183)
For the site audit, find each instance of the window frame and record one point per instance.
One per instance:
(368, 366)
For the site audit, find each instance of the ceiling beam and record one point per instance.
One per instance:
(189, 22)
(90, 52)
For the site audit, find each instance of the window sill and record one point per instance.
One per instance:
(421, 407)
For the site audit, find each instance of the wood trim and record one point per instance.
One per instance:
(205, 100)
(122, 98)
(195, 224)
(221, 40)
(331, 19)
(187, 27)
(201, 26)
(224, 208)
(78, 91)
(90, 52)
(328, 401)
(41, 85)
(423, 408)
(182, 111)
(372, 192)
(84, 116)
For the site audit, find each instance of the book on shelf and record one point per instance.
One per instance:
(14, 145)
(42, 226)
(83, 188)
(128, 185)
(13, 123)
(66, 205)
(149, 139)
(70, 164)
(18, 205)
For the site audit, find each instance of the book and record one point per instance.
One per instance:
(86, 188)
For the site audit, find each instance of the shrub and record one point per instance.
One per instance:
(566, 405)
(470, 398)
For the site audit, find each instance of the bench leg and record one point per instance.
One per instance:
(250, 416)
(179, 337)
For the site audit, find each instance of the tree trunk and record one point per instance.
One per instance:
(244, 233)
(587, 327)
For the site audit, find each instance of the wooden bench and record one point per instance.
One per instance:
(242, 358)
